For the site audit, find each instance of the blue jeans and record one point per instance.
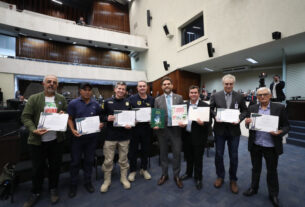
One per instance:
(233, 143)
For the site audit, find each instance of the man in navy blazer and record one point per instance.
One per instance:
(267, 145)
(229, 132)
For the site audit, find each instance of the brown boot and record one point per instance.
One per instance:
(218, 182)
(234, 187)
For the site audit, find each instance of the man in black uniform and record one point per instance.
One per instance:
(141, 133)
(116, 137)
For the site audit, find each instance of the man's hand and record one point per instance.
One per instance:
(61, 112)
(181, 124)
(200, 122)
(156, 128)
(276, 133)
(111, 118)
(248, 121)
(40, 131)
(101, 125)
(75, 133)
(127, 127)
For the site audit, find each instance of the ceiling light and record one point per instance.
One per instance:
(208, 69)
(74, 43)
(57, 2)
(252, 60)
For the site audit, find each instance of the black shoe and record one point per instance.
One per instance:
(72, 191)
(32, 200)
(250, 192)
(185, 176)
(54, 196)
(89, 187)
(274, 200)
(198, 184)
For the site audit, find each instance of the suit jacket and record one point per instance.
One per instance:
(160, 103)
(199, 134)
(218, 101)
(280, 96)
(276, 109)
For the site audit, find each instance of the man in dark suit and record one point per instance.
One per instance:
(170, 133)
(229, 132)
(194, 139)
(276, 88)
(267, 145)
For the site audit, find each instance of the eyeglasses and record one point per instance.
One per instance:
(263, 94)
(50, 81)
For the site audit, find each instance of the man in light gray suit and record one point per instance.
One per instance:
(170, 133)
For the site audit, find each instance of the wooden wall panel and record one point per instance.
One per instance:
(182, 80)
(110, 15)
(56, 51)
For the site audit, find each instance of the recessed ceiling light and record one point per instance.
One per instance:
(252, 60)
(57, 2)
(208, 69)
(74, 43)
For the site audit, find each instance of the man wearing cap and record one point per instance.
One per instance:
(81, 107)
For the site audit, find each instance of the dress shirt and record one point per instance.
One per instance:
(189, 123)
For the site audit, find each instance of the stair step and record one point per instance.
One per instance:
(297, 128)
(296, 135)
(297, 123)
(296, 142)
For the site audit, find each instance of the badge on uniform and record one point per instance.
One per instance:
(110, 102)
(102, 105)
(236, 105)
(139, 103)
(127, 103)
(147, 104)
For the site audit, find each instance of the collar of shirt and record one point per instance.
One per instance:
(80, 99)
(170, 95)
(228, 93)
(196, 104)
(260, 107)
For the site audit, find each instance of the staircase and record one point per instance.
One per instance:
(296, 135)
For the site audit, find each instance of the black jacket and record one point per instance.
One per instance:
(280, 96)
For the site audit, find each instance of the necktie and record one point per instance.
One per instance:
(169, 110)
(228, 100)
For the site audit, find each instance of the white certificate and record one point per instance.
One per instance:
(123, 118)
(143, 114)
(88, 125)
(179, 114)
(228, 115)
(202, 113)
(53, 121)
(265, 123)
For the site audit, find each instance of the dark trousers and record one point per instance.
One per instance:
(141, 136)
(194, 158)
(271, 159)
(172, 136)
(52, 153)
(232, 142)
(82, 146)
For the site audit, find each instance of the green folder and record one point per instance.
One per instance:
(157, 118)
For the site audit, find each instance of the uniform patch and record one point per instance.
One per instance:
(103, 105)
(110, 102)
(127, 103)
(139, 103)
(147, 104)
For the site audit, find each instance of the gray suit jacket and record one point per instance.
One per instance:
(218, 101)
(160, 103)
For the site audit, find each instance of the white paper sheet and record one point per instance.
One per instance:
(228, 115)
(202, 113)
(53, 121)
(179, 114)
(265, 123)
(88, 125)
(123, 118)
(143, 114)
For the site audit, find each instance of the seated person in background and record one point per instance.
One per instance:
(81, 21)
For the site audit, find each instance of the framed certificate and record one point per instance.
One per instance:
(124, 118)
(265, 123)
(201, 113)
(179, 114)
(53, 121)
(228, 115)
(143, 114)
(88, 125)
